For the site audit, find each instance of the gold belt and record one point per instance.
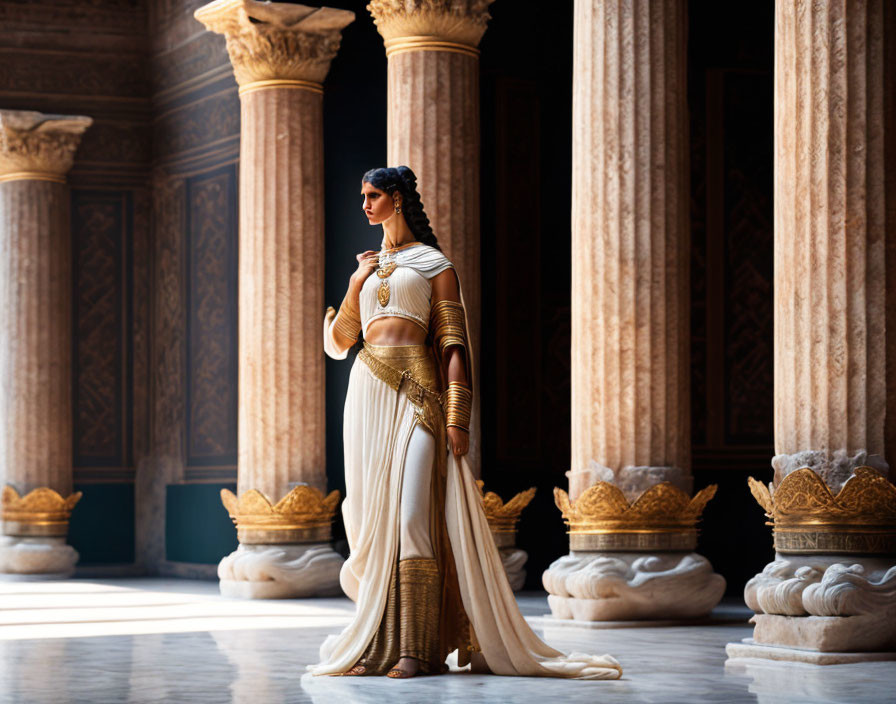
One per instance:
(395, 364)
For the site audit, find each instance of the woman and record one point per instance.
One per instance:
(423, 568)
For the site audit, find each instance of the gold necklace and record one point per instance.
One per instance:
(387, 265)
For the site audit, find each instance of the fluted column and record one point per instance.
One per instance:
(830, 237)
(280, 54)
(36, 153)
(630, 332)
(831, 286)
(433, 127)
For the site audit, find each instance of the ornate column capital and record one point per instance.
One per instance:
(36, 146)
(420, 25)
(277, 43)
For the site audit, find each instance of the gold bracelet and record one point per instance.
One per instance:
(348, 321)
(448, 325)
(458, 403)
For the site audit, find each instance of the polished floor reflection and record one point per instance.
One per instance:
(152, 640)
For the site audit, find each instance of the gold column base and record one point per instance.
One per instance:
(304, 515)
(809, 519)
(41, 513)
(662, 519)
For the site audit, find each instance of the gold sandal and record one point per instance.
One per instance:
(398, 674)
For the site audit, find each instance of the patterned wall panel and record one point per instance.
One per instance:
(212, 318)
(748, 260)
(102, 226)
(732, 248)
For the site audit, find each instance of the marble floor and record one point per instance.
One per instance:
(154, 640)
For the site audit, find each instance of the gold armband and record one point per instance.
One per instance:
(458, 402)
(348, 321)
(448, 325)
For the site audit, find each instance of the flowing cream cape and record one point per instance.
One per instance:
(375, 449)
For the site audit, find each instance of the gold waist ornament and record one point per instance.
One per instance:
(663, 518)
(808, 518)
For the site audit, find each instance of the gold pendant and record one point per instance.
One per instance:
(385, 272)
(383, 294)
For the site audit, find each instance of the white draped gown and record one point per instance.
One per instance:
(378, 428)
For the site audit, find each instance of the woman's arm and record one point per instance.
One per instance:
(452, 346)
(341, 329)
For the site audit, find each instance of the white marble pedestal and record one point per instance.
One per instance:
(824, 609)
(37, 557)
(281, 571)
(588, 586)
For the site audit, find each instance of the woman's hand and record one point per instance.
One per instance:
(458, 440)
(367, 262)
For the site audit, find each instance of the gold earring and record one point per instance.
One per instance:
(397, 203)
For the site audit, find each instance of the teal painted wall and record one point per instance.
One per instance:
(197, 527)
(102, 524)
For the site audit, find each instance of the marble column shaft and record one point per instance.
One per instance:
(630, 239)
(35, 319)
(281, 293)
(433, 127)
(36, 152)
(830, 228)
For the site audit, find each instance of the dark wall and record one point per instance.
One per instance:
(730, 97)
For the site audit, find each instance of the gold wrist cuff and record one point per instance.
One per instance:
(348, 321)
(458, 403)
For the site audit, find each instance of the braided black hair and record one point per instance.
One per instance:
(403, 180)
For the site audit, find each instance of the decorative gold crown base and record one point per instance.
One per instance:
(808, 518)
(504, 538)
(304, 515)
(662, 519)
(633, 540)
(857, 540)
(283, 534)
(41, 513)
(35, 527)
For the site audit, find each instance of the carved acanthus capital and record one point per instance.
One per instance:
(276, 40)
(35, 145)
(457, 21)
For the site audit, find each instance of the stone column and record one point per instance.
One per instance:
(630, 331)
(433, 127)
(36, 152)
(280, 54)
(832, 586)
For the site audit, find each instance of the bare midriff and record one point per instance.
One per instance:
(393, 331)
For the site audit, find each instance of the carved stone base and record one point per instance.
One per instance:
(588, 586)
(280, 571)
(869, 632)
(823, 585)
(47, 557)
(514, 561)
(747, 649)
(825, 603)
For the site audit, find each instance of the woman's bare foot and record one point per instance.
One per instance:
(404, 668)
(356, 671)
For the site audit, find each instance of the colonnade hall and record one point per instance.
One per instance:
(673, 223)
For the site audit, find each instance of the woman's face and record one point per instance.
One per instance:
(378, 205)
